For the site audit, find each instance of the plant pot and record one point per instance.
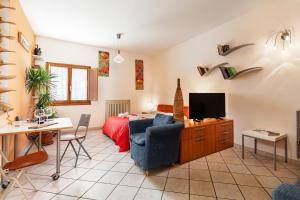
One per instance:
(47, 138)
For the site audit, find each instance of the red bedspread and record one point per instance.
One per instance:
(117, 129)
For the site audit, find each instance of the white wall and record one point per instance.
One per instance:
(267, 99)
(119, 85)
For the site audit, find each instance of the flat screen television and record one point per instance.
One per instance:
(206, 105)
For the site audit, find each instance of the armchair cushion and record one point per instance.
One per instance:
(138, 138)
(161, 119)
(287, 192)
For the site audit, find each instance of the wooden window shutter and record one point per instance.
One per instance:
(93, 84)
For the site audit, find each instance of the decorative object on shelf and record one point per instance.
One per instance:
(5, 107)
(178, 103)
(118, 58)
(245, 71)
(2, 50)
(37, 51)
(139, 74)
(6, 22)
(224, 50)
(2, 63)
(282, 37)
(23, 41)
(6, 7)
(104, 63)
(206, 71)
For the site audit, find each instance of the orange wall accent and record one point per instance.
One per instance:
(20, 100)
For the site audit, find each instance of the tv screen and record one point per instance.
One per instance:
(206, 105)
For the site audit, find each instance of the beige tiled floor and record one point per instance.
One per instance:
(113, 175)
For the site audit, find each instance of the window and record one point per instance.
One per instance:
(70, 84)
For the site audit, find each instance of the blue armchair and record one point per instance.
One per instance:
(287, 191)
(155, 142)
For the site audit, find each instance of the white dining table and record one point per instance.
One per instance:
(22, 127)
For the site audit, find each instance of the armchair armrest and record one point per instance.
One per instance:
(139, 126)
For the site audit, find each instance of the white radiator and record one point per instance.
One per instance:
(114, 107)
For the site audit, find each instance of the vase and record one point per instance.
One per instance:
(178, 104)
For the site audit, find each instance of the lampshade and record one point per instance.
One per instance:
(118, 58)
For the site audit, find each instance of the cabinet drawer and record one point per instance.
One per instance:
(224, 144)
(224, 135)
(185, 134)
(224, 127)
(200, 132)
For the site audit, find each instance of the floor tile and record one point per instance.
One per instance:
(89, 164)
(227, 191)
(112, 177)
(134, 180)
(122, 167)
(93, 175)
(78, 188)
(174, 196)
(202, 188)
(260, 171)
(123, 193)
(255, 162)
(254, 193)
(100, 156)
(63, 197)
(288, 180)
(177, 185)
(105, 165)
(283, 173)
(198, 165)
(38, 181)
(245, 179)
(213, 166)
(75, 173)
(148, 194)
(58, 185)
(268, 181)
(200, 174)
(38, 195)
(179, 173)
(196, 197)
(99, 191)
(222, 177)
(154, 182)
(242, 169)
(160, 172)
(136, 170)
(114, 157)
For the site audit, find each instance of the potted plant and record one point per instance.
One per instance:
(39, 82)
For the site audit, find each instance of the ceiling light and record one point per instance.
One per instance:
(118, 58)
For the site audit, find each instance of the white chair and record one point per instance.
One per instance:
(18, 166)
(83, 122)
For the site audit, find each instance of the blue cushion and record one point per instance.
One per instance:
(161, 119)
(138, 138)
(297, 183)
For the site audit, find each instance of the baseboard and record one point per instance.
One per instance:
(270, 155)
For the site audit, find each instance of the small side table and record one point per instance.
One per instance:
(263, 135)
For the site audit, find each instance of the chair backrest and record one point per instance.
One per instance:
(83, 122)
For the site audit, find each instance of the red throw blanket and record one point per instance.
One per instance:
(117, 129)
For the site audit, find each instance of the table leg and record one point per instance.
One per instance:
(243, 146)
(255, 145)
(4, 183)
(56, 175)
(286, 150)
(40, 141)
(275, 155)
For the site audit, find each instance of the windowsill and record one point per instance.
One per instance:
(72, 103)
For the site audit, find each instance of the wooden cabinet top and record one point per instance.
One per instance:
(189, 124)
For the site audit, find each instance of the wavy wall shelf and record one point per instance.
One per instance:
(235, 49)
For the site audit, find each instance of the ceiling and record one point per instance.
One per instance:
(149, 25)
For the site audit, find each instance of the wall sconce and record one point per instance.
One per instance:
(282, 37)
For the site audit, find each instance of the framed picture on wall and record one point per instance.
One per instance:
(23, 41)
(103, 63)
(139, 74)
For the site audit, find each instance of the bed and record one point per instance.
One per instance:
(117, 127)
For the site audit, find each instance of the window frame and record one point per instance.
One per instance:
(70, 102)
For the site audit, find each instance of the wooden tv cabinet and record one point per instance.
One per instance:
(199, 139)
